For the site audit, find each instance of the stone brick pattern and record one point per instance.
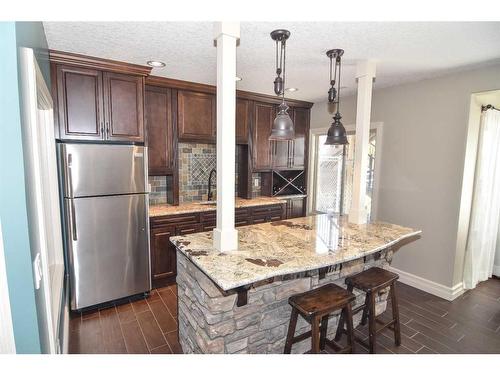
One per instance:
(196, 160)
(210, 322)
(161, 189)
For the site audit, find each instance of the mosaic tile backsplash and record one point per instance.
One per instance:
(161, 189)
(196, 160)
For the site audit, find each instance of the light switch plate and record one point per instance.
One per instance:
(37, 269)
(256, 182)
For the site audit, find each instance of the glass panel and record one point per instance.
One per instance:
(329, 175)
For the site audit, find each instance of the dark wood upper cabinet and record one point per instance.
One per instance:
(97, 99)
(291, 154)
(281, 154)
(80, 103)
(261, 146)
(196, 116)
(160, 131)
(124, 102)
(243, 119)
(301, 123)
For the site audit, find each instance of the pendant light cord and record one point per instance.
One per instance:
(338, 91)
(283, 50)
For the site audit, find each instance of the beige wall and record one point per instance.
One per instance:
(425, 129)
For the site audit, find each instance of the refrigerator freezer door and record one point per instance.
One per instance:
(108, 248)
(102, 169)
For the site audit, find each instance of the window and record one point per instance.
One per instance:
(331, 183)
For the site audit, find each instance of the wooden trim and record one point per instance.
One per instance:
(210, 89)
(175, 166)
(75, 59)
(180, 85)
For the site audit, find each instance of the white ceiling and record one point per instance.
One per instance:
(404, 52)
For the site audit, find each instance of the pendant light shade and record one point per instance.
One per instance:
(282, 125)
(282, 129)
(336, 133)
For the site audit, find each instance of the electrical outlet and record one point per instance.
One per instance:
(256, 182)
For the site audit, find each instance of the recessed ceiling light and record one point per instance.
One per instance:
(156, 64)
(239, 78)
(292, 89)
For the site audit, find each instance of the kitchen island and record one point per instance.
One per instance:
(237, 302)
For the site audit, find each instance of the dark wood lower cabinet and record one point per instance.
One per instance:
(163, 253)
(163, 256)
(295, 207)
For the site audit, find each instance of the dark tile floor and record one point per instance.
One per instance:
(469, 324)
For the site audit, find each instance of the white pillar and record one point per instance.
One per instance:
(365, 74)
(226, 35)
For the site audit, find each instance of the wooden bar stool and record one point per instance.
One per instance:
(372, 281)
(315, 306)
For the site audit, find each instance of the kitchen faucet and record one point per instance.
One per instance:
(213, 172)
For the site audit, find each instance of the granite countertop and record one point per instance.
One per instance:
(184, 208)
(288, 246)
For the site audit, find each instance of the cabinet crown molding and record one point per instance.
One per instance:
(210, 89)
(75, 59)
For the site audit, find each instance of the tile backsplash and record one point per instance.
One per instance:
(196, 160)
(161, 189)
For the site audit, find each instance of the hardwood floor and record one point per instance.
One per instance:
(429, 324)
(142, 326)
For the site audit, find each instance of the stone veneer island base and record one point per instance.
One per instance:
(208, 282)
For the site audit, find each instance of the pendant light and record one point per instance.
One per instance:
(336, 133)
(282, 129)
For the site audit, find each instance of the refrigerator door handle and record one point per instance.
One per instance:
(70, 174)
(72, 222)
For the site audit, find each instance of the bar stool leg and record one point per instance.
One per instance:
(324, 332)
(291, 331)
(315, 335)
(364, 318)
(372, 328)
(340, 326)
(395, 315)
(350, 327)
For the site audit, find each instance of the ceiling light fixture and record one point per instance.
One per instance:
(292, 89)
(156, 64)
(283, 125)
(336, 133)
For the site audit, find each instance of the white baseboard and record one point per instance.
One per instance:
(496, 270)
(428, 286)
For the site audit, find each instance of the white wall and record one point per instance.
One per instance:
(425, 130)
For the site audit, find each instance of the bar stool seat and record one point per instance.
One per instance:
(315, 306)
(372, 281)
(372, 278)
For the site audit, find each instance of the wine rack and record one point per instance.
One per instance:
(288, 182)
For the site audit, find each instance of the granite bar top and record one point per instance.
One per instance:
(184, 208)
(288, 246)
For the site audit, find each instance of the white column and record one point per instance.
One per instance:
(226, 35)
(365, 74)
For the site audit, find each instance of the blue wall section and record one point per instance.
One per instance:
(12, 199)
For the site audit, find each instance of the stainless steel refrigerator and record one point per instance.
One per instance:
(106, 221)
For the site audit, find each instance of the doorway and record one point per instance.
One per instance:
(332, 170)
(42, 200)
(481, 235)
